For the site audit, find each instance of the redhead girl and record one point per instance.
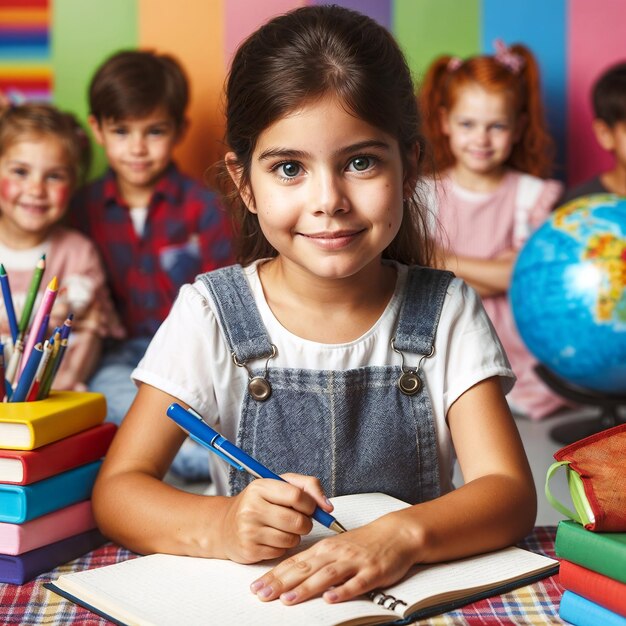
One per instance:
(484, 119)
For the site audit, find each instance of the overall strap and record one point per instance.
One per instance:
(238, 313)
(419, 316)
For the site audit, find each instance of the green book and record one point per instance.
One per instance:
(604, 553)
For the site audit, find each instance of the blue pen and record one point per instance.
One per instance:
(203, 434)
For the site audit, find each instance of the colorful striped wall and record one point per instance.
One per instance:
(51, 47)
(25, 65)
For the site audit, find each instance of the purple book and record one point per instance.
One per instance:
(24, 567)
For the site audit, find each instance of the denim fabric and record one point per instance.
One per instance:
(354, 430)
(112, 378)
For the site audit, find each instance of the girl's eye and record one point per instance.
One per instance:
(58, 177)
(361, 163)
(289, 169)
(157, 131)
(119, 131)
(19, 171)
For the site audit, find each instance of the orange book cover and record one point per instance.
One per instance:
(30, 425)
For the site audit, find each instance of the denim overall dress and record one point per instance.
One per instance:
(355, 430)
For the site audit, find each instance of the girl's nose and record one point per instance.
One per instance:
(329, 195)
(482, 135)
(36, 186)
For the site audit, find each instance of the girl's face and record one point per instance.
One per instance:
(35, 185)
(482, 130)
(327, 188)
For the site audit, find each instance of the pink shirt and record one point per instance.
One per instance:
(483, 225)
(74, 260)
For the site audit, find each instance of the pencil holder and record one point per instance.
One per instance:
(30, 425)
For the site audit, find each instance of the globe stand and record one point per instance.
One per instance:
(573, 431)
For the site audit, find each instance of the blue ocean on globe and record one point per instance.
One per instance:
(568, 293)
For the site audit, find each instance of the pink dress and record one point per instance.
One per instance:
(483, 225)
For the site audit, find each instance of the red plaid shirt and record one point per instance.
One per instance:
(186, 233)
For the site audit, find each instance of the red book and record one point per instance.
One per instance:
(607, 592)
(23, 467)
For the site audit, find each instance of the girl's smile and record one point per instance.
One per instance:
(327, 189)
(35, 184)
(481, 130)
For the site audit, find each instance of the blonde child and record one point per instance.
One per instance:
(43, 153)
(333, 304)
(484, 120)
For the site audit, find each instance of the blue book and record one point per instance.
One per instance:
(21, 568)
(582, 612)
(21, 503)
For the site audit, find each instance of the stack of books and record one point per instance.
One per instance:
(593, 573)
(50, 454)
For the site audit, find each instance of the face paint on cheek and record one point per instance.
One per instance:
(6, 189)
(62, 195)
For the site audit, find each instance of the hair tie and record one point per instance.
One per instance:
(505, 57)
(454, 64)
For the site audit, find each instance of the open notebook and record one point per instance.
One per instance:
(167, 589)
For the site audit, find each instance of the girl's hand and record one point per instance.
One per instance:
(341, 567)
(269, 516)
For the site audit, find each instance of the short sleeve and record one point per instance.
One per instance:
(469, 344)
(548, 199)
(185, 353)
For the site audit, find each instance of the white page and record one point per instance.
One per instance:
(167, 589)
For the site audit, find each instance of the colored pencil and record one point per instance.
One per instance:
(41, 368)
(3, 391)
(11, 369)
(28, 374)
(45, 307)
(41, 333)
(65, 334)
(8, 303)
(48, 374)
(31, 295)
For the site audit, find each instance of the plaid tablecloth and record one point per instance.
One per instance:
(534, 604)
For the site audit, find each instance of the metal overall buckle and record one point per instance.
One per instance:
(409, 382)
(258, 386)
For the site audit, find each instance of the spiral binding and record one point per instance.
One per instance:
(385, 600)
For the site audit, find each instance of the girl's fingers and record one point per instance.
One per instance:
(297, 579)
(311, 486)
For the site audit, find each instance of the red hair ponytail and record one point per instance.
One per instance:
(533, 153)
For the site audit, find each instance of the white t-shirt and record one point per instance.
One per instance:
(190, 359)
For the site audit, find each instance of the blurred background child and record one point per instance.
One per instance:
(609, 127)
(484, 119)
(43, 154)
(155, 227)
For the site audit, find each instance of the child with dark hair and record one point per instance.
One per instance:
(609, 127)
(155, 227)
(493, 155)
(373, 368)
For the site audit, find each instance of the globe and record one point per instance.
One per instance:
(568, 293)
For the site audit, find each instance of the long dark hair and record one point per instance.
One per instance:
(303, 55)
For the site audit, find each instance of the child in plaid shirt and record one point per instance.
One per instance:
(155, 228)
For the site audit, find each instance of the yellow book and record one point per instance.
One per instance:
(30, 425)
